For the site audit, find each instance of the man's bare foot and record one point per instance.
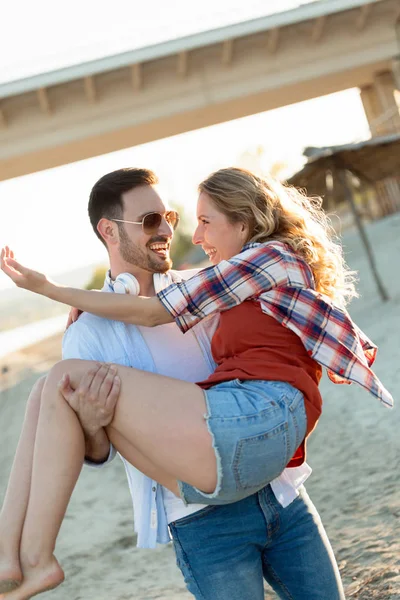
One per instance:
(37, 580)
(10, 575)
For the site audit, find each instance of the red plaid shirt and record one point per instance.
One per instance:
(284, 284)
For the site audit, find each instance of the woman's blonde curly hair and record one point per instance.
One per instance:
(273, 211)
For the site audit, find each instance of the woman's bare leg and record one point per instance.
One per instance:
(136, 458)
(15, 503)
(59, 436)
(162, 416)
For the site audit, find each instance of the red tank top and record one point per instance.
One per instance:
(249, 344)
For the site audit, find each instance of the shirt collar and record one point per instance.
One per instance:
(250, 245)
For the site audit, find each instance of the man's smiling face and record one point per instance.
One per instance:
(148, 252)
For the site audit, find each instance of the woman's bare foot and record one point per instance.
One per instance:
(37, 580)
(10, 574)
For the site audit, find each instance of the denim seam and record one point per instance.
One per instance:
(288, 457)
(278, 580)
(273, 528)
(296, 428)
(247, 417)
(187, 563)
(295, 401)
(284, 398)
(296, 424)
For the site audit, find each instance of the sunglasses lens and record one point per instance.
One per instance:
(151, 222)
(172, 219)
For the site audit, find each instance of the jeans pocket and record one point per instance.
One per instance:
(261, 458)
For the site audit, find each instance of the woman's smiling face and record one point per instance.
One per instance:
(219, 238)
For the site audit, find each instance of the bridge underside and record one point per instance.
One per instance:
(133, 104)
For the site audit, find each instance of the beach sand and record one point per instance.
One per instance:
(354, 453)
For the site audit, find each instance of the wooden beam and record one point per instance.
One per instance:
(273, 40)
(227, 52)
(183, 63)
(137, 76)
(3, 120)
(396, 72)
(90, 89)
(362, 16)
(318, 28)
(397, 13)
(43, 100)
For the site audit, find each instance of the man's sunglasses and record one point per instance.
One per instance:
(152, 221)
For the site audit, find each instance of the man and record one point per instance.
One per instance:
(130, 218)
(128, 195)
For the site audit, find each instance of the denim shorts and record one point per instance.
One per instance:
(256, 427)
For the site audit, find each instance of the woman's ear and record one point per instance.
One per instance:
(244, 232)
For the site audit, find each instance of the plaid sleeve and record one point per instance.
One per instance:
(369, 348)
(218, 288)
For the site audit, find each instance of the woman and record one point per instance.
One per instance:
(262, 401)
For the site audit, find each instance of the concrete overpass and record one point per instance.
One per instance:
(135, 97)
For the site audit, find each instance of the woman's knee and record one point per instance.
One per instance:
(35, 397)
(51, 385)
(58, 370)
(38, 386)
(73, 367)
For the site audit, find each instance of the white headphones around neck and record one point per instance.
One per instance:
(126, 283)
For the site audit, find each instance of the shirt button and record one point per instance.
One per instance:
(154, 489)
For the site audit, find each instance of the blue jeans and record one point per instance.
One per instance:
(256, 427)
(225, 552)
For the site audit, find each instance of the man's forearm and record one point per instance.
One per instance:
(97, 447)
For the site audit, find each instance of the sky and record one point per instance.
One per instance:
(51, 34)
(43, 216)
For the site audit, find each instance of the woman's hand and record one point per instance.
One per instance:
(22, 276)
(73, 316)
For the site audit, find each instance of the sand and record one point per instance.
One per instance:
(355, 455)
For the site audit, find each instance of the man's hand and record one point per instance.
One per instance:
(95, 399)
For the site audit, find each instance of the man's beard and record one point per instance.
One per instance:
(139, 258)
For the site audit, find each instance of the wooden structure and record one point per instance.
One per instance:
(328, 173)
(119, 101)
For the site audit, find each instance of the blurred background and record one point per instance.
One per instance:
(307, 91)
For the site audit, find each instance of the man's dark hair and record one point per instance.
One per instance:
(105, 200)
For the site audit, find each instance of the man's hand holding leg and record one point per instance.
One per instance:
(94, 402)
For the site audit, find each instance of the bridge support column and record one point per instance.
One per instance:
(380, 104)
(383, 116)
(396, 72)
